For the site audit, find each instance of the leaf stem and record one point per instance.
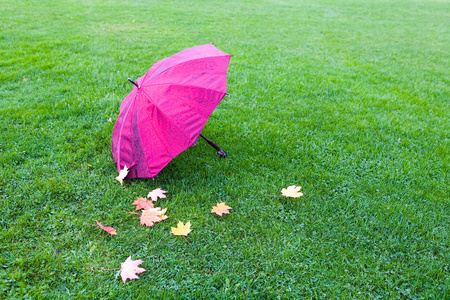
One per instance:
(134, 213)
(186, 240)
(110, 269)
(274, 196)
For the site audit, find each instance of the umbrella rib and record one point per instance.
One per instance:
(121, 128)
(165, 146)
(150, 98)
(151, 78)
(185, 85)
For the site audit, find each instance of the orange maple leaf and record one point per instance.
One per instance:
(129, 268)
(143, 203)
(109, 230)
(153, 215)
(221, 208)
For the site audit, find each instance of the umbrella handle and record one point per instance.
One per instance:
(220, 152)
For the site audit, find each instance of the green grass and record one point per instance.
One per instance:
(349, 99)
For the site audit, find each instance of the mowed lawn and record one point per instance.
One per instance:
(348, 99)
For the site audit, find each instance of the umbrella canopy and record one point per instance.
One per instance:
(167, 109)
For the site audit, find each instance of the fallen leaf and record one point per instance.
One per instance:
(122, 174)
(129, 268)
(182, 229)
(153, 215)
(163, 216)
(156, 193)
(25, 79)
(109, 230)
(292, 191)
(143, 203)
(221, 208)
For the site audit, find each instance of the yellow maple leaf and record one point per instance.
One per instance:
(292, 191)
(221, 208)
(182, 229)
(122, 174)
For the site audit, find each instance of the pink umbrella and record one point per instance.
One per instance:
(167, 109)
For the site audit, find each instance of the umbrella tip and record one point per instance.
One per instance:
(138, 86)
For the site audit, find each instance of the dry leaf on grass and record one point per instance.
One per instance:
(292, 191)
(129, 268)
(109, 230)
(220, 209)
(182, 229)
(122, 174)
(153, 215)
(143, 203)
(156, 193)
